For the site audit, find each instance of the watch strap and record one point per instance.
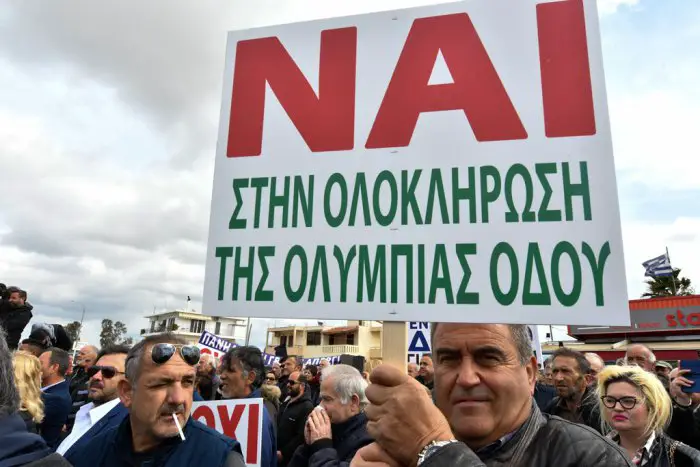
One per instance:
(431, 449)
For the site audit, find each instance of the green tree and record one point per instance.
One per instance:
(113, 332)
(73, 330)
(662, 286)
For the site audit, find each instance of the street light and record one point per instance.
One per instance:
(82, 317)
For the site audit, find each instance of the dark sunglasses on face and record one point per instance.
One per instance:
(292, 382)
(270, 379)
(108, 372)
(161, 353)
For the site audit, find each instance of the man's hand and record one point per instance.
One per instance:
(402, 416)
(319, 426)
(279, 456)
(676, 388)
(373, 456)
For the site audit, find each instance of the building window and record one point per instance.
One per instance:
(171, 323)
(331, 339)
(153, 326)
(197, 325)
(313, 338)
(217, 328)
(290, 341)
(283, 340)
(350, 339)
(362, 323)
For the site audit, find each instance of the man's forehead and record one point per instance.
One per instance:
(565, 362)
(115, 360)
(470, 335)
(637, 351)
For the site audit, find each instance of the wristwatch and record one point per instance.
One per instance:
(431, 449)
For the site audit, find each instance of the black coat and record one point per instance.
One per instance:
(291, 421)
(544, 395)
(79, 394)
(589, 410)
(685, 426)
(348, 438)
(683, 455)
(544, 441)
(13, 321)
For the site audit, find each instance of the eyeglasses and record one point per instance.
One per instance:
(270, 379)
(627, 403)
(161, 353)
(292, 382)
(108, 372)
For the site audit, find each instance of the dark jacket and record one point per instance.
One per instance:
(57, 405)
(683, 455)
(79, 394)
(111, 420)
(542, 441)
(13, 321)
(18, 447)
(544, 395)
(422, 381)
(588, 412)
(202, 446)
(207, 386)
(29, 422)
(348, 438)
(685, 426)
(290, 426)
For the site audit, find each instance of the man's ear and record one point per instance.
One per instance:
(126, 391)
(252, 375)
(355, 402)
(531, 369)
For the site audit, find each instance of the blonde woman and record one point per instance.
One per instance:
(28, 380)
(637, 408)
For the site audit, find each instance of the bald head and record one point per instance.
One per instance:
(596, 362)
(640, 355)
(86, 356)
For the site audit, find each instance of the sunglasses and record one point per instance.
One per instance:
(270, 379)
(108, 372)
(161, 353)
(291, 382)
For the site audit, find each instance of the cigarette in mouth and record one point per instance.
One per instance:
(179, 428)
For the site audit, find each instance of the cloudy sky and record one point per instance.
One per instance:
(108, 123)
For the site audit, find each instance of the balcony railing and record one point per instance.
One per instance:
(341, 349)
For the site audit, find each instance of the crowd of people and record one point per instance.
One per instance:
(479, 400)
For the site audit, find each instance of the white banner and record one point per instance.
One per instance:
(454, 158)
(240, 419)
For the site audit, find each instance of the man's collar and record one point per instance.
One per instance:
(51, 385)
(99, 411)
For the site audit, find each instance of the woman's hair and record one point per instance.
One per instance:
(656, 398)
(28, 381)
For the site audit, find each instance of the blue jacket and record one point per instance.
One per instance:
(111, 420)
(268, 456)
(18, 447)
(57, 405)
(202, 446)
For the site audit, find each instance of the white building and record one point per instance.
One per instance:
(190, 324)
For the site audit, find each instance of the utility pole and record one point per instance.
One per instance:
(82, 318)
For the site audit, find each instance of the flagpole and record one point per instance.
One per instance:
(673, 276)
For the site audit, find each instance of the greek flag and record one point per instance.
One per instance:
(659, 266)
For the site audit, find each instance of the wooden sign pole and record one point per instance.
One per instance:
(395, 344)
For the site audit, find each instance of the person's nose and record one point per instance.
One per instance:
(558, 377)
(468, 375)
(177, 395)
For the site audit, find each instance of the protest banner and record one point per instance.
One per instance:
(240, 419)
(213, 344)
(451, 159)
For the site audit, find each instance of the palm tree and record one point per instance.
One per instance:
(662, 286)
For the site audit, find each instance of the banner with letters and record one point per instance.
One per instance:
(213, 344)
(269, 359)
(240, 419)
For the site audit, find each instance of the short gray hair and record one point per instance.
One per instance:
(9, 395)
(134, 359)
(521, 338)
(347, 381)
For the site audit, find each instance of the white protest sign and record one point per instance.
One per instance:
(418, 340)
(452, 159)
(240, 419)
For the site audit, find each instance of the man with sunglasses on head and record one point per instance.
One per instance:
(158, 389)
(106, 410)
